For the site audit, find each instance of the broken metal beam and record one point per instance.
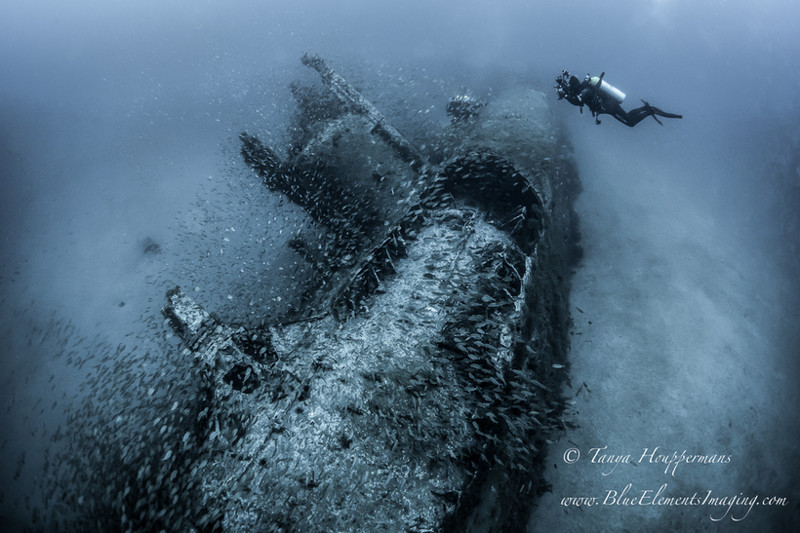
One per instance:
(360, 105)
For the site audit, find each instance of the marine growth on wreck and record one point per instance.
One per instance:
(416, 387)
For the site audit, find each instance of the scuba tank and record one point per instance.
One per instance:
(606, 89)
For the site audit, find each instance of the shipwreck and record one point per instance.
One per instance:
(417, 387)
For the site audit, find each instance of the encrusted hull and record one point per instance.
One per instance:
(416, 390)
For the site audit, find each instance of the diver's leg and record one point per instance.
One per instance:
(618, 113)
(635, 116)
(632, 117)
(650, 110)
(623, 118)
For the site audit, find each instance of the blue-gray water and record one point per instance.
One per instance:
(118, 125)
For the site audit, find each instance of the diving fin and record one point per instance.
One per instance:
(656, 111)
(665, 114)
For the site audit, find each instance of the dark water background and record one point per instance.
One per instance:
(121, 176)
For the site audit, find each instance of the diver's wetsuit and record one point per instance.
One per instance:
(584, 93)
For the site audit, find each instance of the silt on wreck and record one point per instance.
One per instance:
(417, 387)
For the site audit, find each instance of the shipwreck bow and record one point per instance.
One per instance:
(417, 388)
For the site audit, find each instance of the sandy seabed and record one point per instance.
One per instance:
(683, 390)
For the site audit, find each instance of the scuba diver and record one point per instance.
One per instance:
(601, 97)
